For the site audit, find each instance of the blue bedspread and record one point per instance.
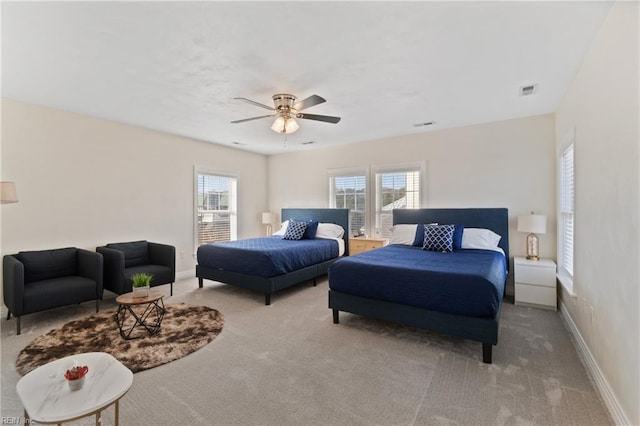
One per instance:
(267, 256)
(465, 282)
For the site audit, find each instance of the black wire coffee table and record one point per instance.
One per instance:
(137, 313)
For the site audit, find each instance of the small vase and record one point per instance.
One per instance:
(76, 384)
(141, 291)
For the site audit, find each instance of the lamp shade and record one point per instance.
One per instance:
(278, 125)
(535, 223)
(291, 125)
(8, 193)
(267, 218)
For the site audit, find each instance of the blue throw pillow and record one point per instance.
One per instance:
(457, 236)
(295, 230)
(438, 238)
(418, 241)
(312, 228)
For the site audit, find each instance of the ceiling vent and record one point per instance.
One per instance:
(528, 90)
(307, 143)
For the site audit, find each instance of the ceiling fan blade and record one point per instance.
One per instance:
(252, 118)
(325, 118)
(255, 103)
(309, 102)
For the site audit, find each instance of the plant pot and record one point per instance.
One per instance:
(141, 291)
(76, 384)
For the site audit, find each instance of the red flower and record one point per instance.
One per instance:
(76, 373)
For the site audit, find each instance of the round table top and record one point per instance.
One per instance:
(128, 299)
(46, 396)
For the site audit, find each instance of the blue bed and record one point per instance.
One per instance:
(269, 264)
(457, 293)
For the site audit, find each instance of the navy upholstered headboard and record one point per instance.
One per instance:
(337, 216)
(496, 219)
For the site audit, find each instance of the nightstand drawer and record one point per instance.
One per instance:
(543, 276)
(359, 245)
(535, 295)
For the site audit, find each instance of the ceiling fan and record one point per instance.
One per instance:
(286, 109)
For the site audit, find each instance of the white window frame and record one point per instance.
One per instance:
(331, 174)
(233, 202)
(566, 214)
(420, 167)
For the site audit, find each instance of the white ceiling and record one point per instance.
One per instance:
(382, 66)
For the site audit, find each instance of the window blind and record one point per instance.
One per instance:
(567, 203)
(215, 208)
(395, 190)
(350, 192)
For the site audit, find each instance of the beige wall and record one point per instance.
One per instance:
(602, 106)
(85, 182)
(503, 164)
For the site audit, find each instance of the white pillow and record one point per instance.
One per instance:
(283, 229)
(403, 234)
(329, 230)
(479, 238)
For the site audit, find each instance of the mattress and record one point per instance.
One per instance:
(266, 256)
(465, 282)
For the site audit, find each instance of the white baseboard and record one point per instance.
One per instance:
(607, 394)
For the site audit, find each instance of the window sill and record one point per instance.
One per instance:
(566, 281)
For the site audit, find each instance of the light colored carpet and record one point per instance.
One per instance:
(288, 364)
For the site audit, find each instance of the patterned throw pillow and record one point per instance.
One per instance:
(438, 238)
(295, 230)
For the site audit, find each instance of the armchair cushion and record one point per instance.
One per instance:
(136, 253)
(47, 264)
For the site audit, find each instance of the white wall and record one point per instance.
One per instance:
(602, 105)
(503, 164)
(85, 182)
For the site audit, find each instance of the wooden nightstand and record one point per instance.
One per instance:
(359, 245)
(535, 283)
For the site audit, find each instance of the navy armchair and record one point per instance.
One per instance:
(122, 260)
(35, 281)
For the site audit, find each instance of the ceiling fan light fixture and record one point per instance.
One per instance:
(290, 125)
(284, 125)
(278, 125)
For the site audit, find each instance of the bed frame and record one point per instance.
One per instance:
(267, 286)
(484, 330)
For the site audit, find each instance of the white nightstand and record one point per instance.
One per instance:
(535, 283)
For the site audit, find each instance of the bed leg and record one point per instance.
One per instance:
(267, 299)
(200, 282)
(336, 319)
(486, 353)
(314, 281)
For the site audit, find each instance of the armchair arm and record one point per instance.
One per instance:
(13, 284)
(113, 269)
(163, 254)
(90, 266)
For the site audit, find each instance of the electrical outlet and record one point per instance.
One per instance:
(593, 313)
(182, 255)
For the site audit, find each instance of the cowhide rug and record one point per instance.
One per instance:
(185, 329)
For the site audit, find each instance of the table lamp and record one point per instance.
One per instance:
(533, 224)
(267, 219)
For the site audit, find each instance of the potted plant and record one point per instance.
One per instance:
(75, 376)
(141, 283)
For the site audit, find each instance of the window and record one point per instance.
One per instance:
(216, 216)
(398, 189)
(348, 190)
(565, 231)
(371, 197)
